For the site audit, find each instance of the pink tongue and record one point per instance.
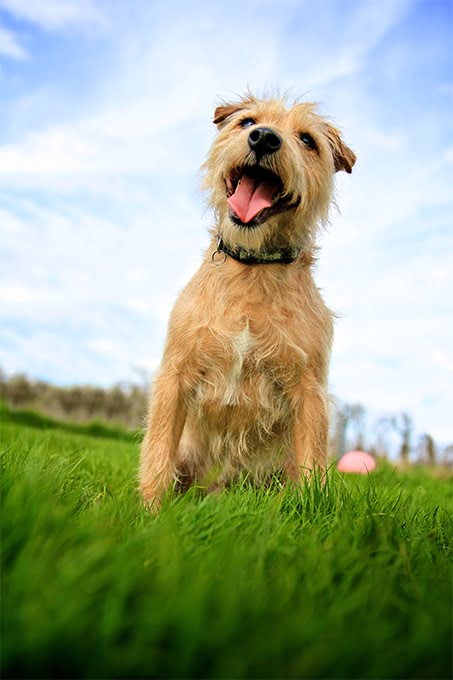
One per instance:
(250, 197)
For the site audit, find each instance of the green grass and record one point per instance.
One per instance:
(94, 428)
(349, 581)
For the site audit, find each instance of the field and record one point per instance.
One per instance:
(352, 580)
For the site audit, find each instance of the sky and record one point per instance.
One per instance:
(105, 119)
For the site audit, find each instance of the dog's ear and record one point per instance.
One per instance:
(224, 111)
(343, 157)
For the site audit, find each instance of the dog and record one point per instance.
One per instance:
(242, 387)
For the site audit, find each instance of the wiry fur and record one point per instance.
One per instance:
(242, 384)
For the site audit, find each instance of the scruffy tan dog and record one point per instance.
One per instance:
(242, 384)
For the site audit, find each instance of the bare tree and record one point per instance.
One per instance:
(382, 430)
(402, 424)
(349, 427)
(427, 449)
(357, 425)
(447, 456)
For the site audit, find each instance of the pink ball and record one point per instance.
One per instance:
(357, 461)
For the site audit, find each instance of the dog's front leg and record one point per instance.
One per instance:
(167, 415)
(311, 429)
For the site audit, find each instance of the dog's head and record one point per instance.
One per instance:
(270, 172)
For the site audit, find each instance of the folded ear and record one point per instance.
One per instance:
(224, 111)
(343, 157)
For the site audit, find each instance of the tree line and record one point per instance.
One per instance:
(123, 403)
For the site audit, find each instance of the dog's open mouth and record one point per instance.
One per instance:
(254, 194)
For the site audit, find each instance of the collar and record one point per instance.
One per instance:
(279, 256)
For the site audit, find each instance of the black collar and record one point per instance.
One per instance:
(280, 256)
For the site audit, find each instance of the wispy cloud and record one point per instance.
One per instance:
(10, 46)
(54, 14)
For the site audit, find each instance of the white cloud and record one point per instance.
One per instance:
(54, 14)
(133, 139)
(442, 360)
(349, 37)
(10, 46)
(389, 142)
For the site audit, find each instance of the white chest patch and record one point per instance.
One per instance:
(241, 345)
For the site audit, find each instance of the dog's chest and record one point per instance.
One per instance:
(246, 368)
(241, 346)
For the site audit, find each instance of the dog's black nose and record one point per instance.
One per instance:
(263, 140)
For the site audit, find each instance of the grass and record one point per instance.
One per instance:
(94, 428)
(352, 580)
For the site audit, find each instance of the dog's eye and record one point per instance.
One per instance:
(308, 140)
(247, 122)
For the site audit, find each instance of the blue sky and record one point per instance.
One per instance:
(105, 119)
